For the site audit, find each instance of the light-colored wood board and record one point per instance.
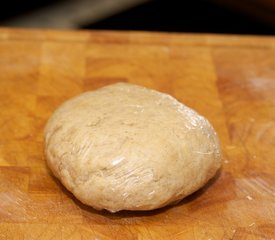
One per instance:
(228, 79)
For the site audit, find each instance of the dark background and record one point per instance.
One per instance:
(197, 16)
(185, 16)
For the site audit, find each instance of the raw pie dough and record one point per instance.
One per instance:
(126, 147)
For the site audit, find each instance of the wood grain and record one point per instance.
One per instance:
(228, 79)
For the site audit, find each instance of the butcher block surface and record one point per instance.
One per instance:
(228, 79)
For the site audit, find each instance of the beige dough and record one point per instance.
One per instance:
(126, 147)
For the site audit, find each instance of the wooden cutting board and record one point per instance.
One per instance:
(228, 79)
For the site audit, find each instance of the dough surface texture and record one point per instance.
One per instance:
(126, 147)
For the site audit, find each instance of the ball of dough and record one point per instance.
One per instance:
(126, 147)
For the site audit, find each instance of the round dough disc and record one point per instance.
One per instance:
(126, 147)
